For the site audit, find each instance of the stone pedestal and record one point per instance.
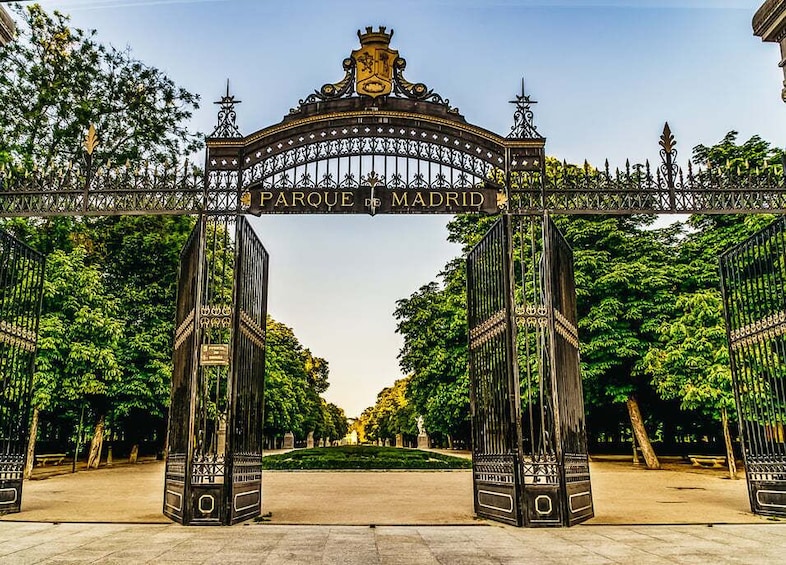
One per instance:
(423, 441)
(310, 440)
(289, 440)
(399, 440)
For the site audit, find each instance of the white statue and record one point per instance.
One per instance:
(421, 426)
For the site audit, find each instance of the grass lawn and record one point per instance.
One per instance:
(363, 457)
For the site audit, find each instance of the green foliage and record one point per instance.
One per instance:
(107, 317)
(625, 288)
(57, 80)
(690, 362)
(363, 457)
(433, 322)
(739, 159)
(80, 334)
(294, 378)
(391, 415)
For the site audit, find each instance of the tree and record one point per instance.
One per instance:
(80, 335)
(625, 288)
(56, 81)
(691, 361)
(294, 379)
(139, 256)
(338, 425)
(392, 414)
(433, 322)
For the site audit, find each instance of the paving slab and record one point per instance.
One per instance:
(677, 515)
(362, 545)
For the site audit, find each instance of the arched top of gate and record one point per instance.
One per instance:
(374, 111)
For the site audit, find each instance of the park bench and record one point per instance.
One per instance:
(713, 460)
(45, 458)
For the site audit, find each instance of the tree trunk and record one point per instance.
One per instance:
(637, 423)
(96, 444)
(450, 442)
(30, 461)
(134, 453)
(729, 448)
(635, 450)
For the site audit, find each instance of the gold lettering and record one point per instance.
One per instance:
(335, 199)
(476, 199)
(318, 200)
(431, 199)
(454, 197)
(282, 200)
(347, 199)
(263, 197)
(298, 197)
(400, 199)
(464, 199)
(418, 200)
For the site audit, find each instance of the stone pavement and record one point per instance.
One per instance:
(36, 542)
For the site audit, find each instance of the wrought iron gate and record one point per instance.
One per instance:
(494, 401)
(248, 370)
(569, 425)
(529, 440)
(753, 276)
(185, 358)
(214, 467)
(21, 285)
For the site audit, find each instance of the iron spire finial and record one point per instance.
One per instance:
(227, 126)
(523, 117)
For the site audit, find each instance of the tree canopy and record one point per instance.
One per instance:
(57, 80)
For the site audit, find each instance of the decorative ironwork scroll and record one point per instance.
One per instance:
(373, 71)
(523, 118)
(753, 278)
(21, 286)
(227, 117)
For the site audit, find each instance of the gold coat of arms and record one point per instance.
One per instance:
(374, 63)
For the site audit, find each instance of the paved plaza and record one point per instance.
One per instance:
(113, 515)
(33, 542)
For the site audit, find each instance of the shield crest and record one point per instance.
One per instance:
(374, 63)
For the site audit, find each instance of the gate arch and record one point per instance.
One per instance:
(374, 142)
(403, 136)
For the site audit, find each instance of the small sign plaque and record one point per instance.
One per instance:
(380, 200)
(215, 354)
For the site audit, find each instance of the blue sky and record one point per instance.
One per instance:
(606, 75)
